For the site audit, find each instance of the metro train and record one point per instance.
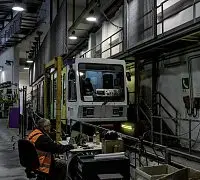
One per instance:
(93, 90)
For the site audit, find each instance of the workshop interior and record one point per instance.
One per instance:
(115, 83)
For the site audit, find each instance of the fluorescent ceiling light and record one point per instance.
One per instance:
(26, 68)
(91, 19)
(72, 37)
(29, 61)
(18, 8)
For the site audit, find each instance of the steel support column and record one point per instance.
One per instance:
(154, 7)
(125, 26)
(154, 125)
(59, 64)
(137, 88)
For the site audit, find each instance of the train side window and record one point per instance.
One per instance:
(72, 96)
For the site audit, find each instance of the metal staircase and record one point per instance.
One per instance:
(21, 26)
(160, 131)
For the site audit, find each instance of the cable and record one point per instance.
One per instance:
(196, 139)
(190, 130)
(151, 147)
(110, 20)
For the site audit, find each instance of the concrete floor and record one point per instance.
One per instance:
(10, 168)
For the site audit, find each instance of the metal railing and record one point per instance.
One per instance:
(172, 117)
(160, 107)
(108, 47)
(184, 5)
(145, 149)
(155, 19)
(10, 29)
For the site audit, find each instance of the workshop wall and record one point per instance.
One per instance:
(10, 73)
(170, 84)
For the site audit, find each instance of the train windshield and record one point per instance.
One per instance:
(101, 82)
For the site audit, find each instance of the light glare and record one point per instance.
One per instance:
(29, 61)
(91, 19)
(18, 8)
(72, 37)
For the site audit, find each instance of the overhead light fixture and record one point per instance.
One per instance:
(73, 36)
(91, 17)
(29, 61)
(26, 68)
(18, 7)
(1, 68)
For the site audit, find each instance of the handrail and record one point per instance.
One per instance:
(147, 106)
(10, 29)
(167, 112)
(145, 114)
(121, 30)
(168, 152)
(173, 107)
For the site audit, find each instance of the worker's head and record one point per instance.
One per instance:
(44, 124)
(87, 80)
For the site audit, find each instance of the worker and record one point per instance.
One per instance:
(46, 148)
(88, 88)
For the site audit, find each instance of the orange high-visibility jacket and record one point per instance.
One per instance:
(44, 157)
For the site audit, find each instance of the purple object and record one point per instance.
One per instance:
(14, 117)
